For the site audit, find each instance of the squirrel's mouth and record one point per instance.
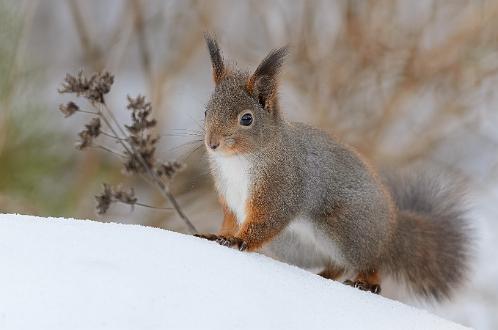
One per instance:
(225, 146)
(220, 144)
(220, 150)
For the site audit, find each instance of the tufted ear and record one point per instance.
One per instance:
(263, 83)
(216, 58)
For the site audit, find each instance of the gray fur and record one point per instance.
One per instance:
(432, 244)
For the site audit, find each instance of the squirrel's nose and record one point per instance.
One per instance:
(213, 142)
(214, 145)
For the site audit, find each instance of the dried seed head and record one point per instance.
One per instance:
(93, 88)
(144, 155)
(78, 85)
(104, 200)
(123, 195)
(140, 111)
(132, 165)
(93, 127)
(111, 195)
(85, 140)
(169, 169)
(68, 109)
(137, 103)
(91, 131)
(143, 143)
(103, 82)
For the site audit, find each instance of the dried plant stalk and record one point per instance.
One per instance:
(137, 142)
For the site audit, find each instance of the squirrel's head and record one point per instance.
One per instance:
(243, 112)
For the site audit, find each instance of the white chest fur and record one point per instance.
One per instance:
(232, 177)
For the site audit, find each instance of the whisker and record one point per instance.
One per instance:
(196, 122)
(181, 135)
(185, 158)
(191, 130)
(184, 145)
(200, 175)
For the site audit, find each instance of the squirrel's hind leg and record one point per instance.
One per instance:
(366, 281)
(332, 272)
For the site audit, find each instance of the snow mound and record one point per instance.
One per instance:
(78, 274)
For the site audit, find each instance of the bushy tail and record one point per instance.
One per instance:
(431, 245)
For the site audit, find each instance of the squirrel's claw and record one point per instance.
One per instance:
(228, 241)
(231, 241)
(364, 286)
(375, 289)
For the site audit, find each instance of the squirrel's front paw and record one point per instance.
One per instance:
(229, 241)
(232, 241)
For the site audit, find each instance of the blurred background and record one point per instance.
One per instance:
(406, 82)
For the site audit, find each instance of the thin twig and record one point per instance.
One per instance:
(153, 207)
(99, 146)
(185, 158)
(111, 136)
(89, 112)
(119, 139)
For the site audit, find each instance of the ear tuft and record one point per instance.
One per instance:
(271, 64)
(216, 58)
(263, 83)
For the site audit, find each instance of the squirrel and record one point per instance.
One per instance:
(301, 196)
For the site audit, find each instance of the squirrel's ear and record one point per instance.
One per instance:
(264, 81)
(216, 58)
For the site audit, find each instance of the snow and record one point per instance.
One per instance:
(80, 274)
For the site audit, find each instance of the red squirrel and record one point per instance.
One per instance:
(303, 197)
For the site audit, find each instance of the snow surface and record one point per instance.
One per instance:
(80, 274)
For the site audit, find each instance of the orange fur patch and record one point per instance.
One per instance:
(250, 85)
(229, 226)
(332, 272)
(370, 277)
(218, 77)
(259, 226)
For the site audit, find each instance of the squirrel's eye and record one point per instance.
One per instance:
(246, 119)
